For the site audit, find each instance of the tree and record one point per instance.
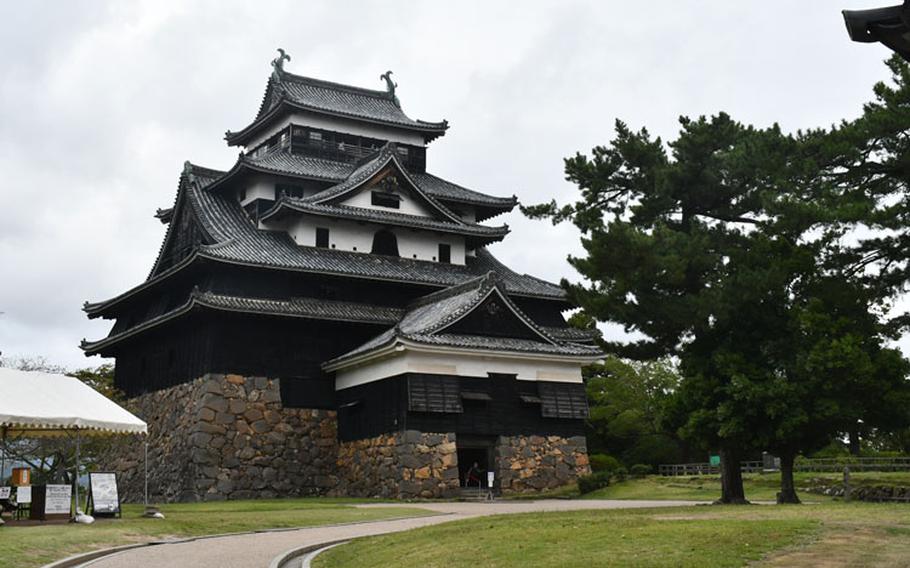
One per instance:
(661, 232)
(716, 253)
(627, 400)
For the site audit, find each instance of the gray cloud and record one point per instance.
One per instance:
(101, 102)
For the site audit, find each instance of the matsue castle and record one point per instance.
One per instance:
(325, 317)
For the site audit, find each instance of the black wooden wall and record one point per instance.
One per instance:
(222, 342)
(380, 407)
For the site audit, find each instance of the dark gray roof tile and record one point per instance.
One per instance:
(428, 318)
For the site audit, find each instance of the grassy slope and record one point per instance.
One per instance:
(706, 537)
(37, 545)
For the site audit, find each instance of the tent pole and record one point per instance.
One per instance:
(146, 473)
(3, 455)
(76, 479)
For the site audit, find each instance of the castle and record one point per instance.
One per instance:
(324, 317)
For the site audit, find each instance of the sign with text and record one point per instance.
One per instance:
(5, 492)
(24, 495)
(103, 487)
(58, 499)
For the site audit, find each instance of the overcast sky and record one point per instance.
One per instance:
(101, 103)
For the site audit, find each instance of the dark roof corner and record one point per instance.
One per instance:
(164, 214)
(889, 26)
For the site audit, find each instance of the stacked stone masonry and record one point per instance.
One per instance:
(400, 465)
(228, 437)
(529, 464)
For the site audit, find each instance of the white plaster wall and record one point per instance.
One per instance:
(338, 125)
(463, 365)
(356, 237)
(467, 213)
(258, 187)
(408, 205)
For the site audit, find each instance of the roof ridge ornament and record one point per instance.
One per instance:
(278, 64)
(390, 87)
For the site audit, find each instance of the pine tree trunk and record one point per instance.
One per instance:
(854, 443)
(787, 489)
(731, 480)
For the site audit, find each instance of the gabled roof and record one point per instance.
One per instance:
(385, 157)
(286, 91)
(329, 203)
(427, 320)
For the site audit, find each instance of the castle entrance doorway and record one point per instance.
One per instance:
(475, 459)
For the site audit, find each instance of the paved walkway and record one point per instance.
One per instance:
(257, 550)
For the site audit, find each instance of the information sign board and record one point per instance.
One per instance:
(58, 500)
(104, 496)
(24, 495)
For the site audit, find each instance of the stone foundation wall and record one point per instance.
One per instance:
(528, 464)
(227, 437)
(400, 465)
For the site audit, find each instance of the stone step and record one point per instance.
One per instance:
(472, 494)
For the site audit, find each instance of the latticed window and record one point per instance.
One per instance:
(563, 400)
(434, 393)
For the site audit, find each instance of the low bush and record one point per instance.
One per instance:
(593, 482)
(641, 470)
(603, 462)
(620, 473)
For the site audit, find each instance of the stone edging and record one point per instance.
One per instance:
(282, 559)
(80, 559)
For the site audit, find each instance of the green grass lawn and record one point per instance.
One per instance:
(38, 545)
(828, 534)
(759, 487)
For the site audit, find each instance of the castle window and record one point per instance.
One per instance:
(385, 243)
(322, 237)
(382, 199)
(445, 253)
(315, 135)
(562, 400)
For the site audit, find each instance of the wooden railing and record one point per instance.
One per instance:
(704, 468)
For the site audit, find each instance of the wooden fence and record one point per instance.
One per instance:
(704, 468)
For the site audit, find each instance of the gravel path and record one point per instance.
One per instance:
(257, 550)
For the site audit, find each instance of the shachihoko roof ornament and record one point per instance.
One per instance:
(390, 87)
(278, 64)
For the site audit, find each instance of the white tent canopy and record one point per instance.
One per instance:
(42, 404)
(47, 404)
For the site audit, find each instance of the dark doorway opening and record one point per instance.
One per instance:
(470, 453)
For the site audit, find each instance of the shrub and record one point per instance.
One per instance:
(593, 482)
(641, 470)
(620, 473)
(603, 462)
